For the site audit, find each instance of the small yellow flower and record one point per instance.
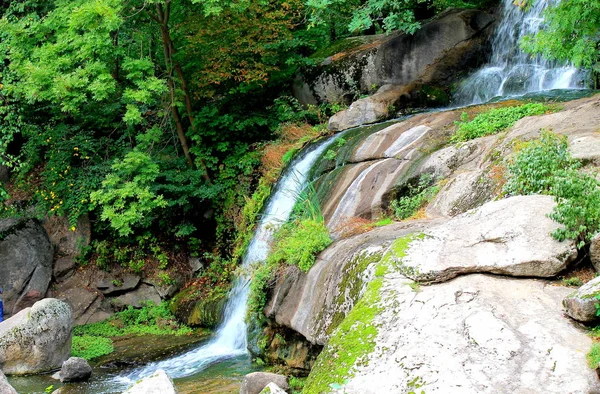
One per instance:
(73, 228)
(75, 148)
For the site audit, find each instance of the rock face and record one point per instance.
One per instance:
(158, 383)
(475, 334)
(459, 330)
(581, 304)
(510, 237)
(37, 339)
(75, 369)
(255, 382)
(313, 304)
(25, 263)
(441, 48)
(5, 387)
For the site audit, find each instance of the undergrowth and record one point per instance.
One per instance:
(494, 121)
(415, 197)
(94, 340)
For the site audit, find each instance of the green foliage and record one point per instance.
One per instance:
(545, 166)
(571, 34)
(150, 319)
(126, 198)
(90, 347)
(593, 356)
(535, 166)
(578, 206)
(574, 281)
(298, 243)
(296, 384)
(416, 197)
(494, 121)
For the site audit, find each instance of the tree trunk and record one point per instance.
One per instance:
(162, 18)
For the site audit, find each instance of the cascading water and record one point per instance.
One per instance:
(231, 338)
(512, 72)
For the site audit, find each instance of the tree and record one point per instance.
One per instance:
(572, 34)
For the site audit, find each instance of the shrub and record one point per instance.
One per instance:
(534, 168)
(299, 242)
(545, 166)
(494, 121)
(415, 198)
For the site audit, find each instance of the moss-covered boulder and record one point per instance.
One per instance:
(198, 308)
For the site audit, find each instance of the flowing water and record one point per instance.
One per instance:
(512, 72)
(231, 337)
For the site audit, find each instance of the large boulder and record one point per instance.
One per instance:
(595, 252)
(255, 382)
(37, 339)
(581, 304)
(25, 263)
(158, 383)
(475, 334)
(5, 387)
(509, 237)
(272, 388)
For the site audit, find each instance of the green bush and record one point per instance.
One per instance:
(545, 166)
(535, 166)
(494, 121)
(90, 347)
(299, 242)
(415, 198)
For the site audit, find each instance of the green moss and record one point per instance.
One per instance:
(350, 287)
(351, 343)
(90, 347)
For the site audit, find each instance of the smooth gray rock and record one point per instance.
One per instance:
(255, 382)
(466, 191)
(5, 387)
(509, 237)
(75, 369)
(37, 339)
(581, 304)
(475, 334)
(158, 383)
(25, 263)
(272, 388)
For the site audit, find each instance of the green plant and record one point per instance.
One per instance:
(49, 389)
(545, 166)
(494, 121)
(296, 384)
(535, 166)
(90, 347)
(298, 243)
(415, 197)
(593, 356)
(574, 281)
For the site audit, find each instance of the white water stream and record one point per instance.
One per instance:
(512, 72)
(231, 337)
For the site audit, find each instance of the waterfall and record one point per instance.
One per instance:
(231, 337)
(512, 72)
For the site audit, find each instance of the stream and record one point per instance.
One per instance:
(218, 364)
